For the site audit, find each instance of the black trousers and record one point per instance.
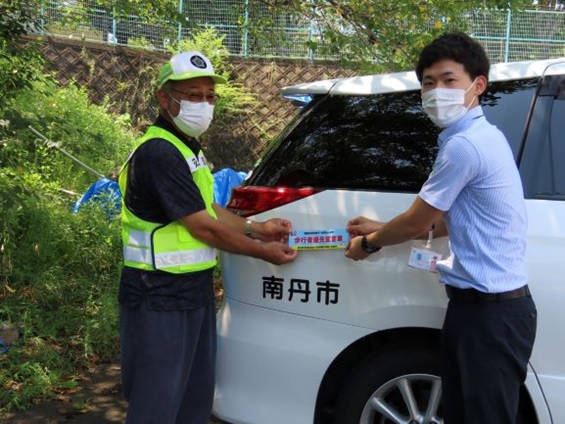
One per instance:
(168, 364)
(486, 346)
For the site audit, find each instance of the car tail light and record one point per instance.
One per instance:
(251, 200)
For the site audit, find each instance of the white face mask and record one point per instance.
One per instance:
(193, 118)
(445, 106)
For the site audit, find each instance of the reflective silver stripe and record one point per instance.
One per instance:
(139, 238)
(185, 257)
(163, 260)
(139, 255)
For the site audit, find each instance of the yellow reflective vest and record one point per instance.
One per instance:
(167, 247)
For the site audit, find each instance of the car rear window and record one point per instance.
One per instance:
(379, 142)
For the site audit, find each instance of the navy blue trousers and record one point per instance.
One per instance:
(486, 347)
(168, 364)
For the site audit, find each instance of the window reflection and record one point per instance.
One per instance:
(506, 104)
(380, 142)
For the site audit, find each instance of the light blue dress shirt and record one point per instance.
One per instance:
(476, 182)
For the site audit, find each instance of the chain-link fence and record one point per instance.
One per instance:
(525, 35)
(507, 36)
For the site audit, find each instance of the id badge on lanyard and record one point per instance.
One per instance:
(423, 256)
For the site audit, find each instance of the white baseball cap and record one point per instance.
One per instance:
(188, 65)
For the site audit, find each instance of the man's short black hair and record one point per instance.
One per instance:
(460, 48)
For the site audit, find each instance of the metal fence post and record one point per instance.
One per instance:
(311, 34)
(42, 20)
(179, 35)
(114, 32)
(507, 44)
(245, 29)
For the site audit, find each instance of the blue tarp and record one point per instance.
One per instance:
(224, 180)
(105, 191)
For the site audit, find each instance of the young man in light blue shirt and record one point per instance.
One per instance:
(474, 195)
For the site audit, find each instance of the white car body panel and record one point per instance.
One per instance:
(546, 266)
(362, 300)
(270, 387)
(312, 334)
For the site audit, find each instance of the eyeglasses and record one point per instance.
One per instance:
(198, 97)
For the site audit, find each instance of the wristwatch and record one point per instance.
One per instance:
(368, 247)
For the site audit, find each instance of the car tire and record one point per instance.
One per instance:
(399, 385)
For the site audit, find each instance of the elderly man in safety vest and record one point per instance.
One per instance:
(171, 230)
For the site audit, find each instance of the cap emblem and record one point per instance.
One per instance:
(198, 62)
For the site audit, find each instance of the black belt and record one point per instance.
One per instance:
(473, 295)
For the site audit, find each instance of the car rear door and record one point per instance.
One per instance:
(543, 174)
(347, 156)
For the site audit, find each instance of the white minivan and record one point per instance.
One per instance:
(329, 340)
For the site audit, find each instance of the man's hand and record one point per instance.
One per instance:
(354, 251)
(278, 253)
(274, 229)
(362, 226)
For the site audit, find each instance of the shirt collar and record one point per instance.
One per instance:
(462, 123)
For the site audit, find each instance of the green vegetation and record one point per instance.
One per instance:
(59, 270)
